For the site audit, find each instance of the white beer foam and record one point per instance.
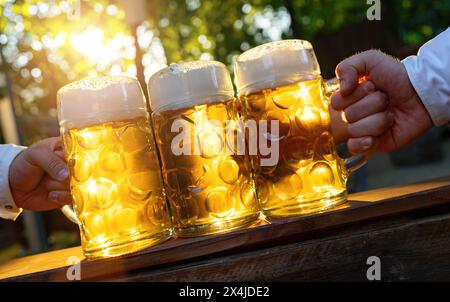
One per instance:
(95, 100)
(188, 84)
(275, 64)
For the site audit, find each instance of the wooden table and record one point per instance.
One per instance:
(407, 227)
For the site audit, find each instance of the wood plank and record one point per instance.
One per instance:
(398, 191)
(361, 207)
(418, 251)
(39, 262)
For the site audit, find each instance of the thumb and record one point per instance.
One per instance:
(42, 155)
(350, 70)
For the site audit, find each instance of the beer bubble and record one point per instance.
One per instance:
(285, 97)
(314, 93)
(200, 177)
(135, 138)
(193, 181)
(284, 124)
(325, 146)
(81, 166)
(112, 160)
(124, 220)
(288, 187)
(100, 193)
(140, 185)
(210, 143)
(228, 170)
(91, 138)
(321, 177)
(94, 226)
(308, 121)
(217, 112)
(218, 203)
(248, 196)
(155, 212)
(297, 152)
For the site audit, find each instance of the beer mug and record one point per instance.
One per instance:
(281, 81)
(115, 180)
(209, 186)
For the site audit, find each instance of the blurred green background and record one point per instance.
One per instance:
(46, 44)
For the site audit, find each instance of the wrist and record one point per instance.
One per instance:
(12, 175)
(422, 114)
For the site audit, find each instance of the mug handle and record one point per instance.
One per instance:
(70, 214)
(357, 161)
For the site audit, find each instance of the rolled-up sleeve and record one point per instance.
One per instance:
(429, 73)
(8, 209)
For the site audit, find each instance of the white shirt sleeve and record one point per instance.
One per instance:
(429, 73)
(8, 209)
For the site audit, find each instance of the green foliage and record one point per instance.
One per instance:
(40, 57)
(421, 20)
(323, 16)
(190, 30)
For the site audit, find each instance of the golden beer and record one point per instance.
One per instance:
(210, 189)
(280, 81)
(115, 178)
(308, 174)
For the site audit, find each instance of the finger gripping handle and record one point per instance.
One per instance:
(357, 161)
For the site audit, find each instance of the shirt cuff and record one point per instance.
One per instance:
(435, 112)
(8, 209)
(429, 74)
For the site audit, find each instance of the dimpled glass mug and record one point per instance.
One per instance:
(281, 81)
(115, 179)
(210, 189)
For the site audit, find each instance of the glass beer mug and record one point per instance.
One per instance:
(281, 81)
(209, 186)
(115, 180)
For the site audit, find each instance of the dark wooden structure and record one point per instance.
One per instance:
(407, 227)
